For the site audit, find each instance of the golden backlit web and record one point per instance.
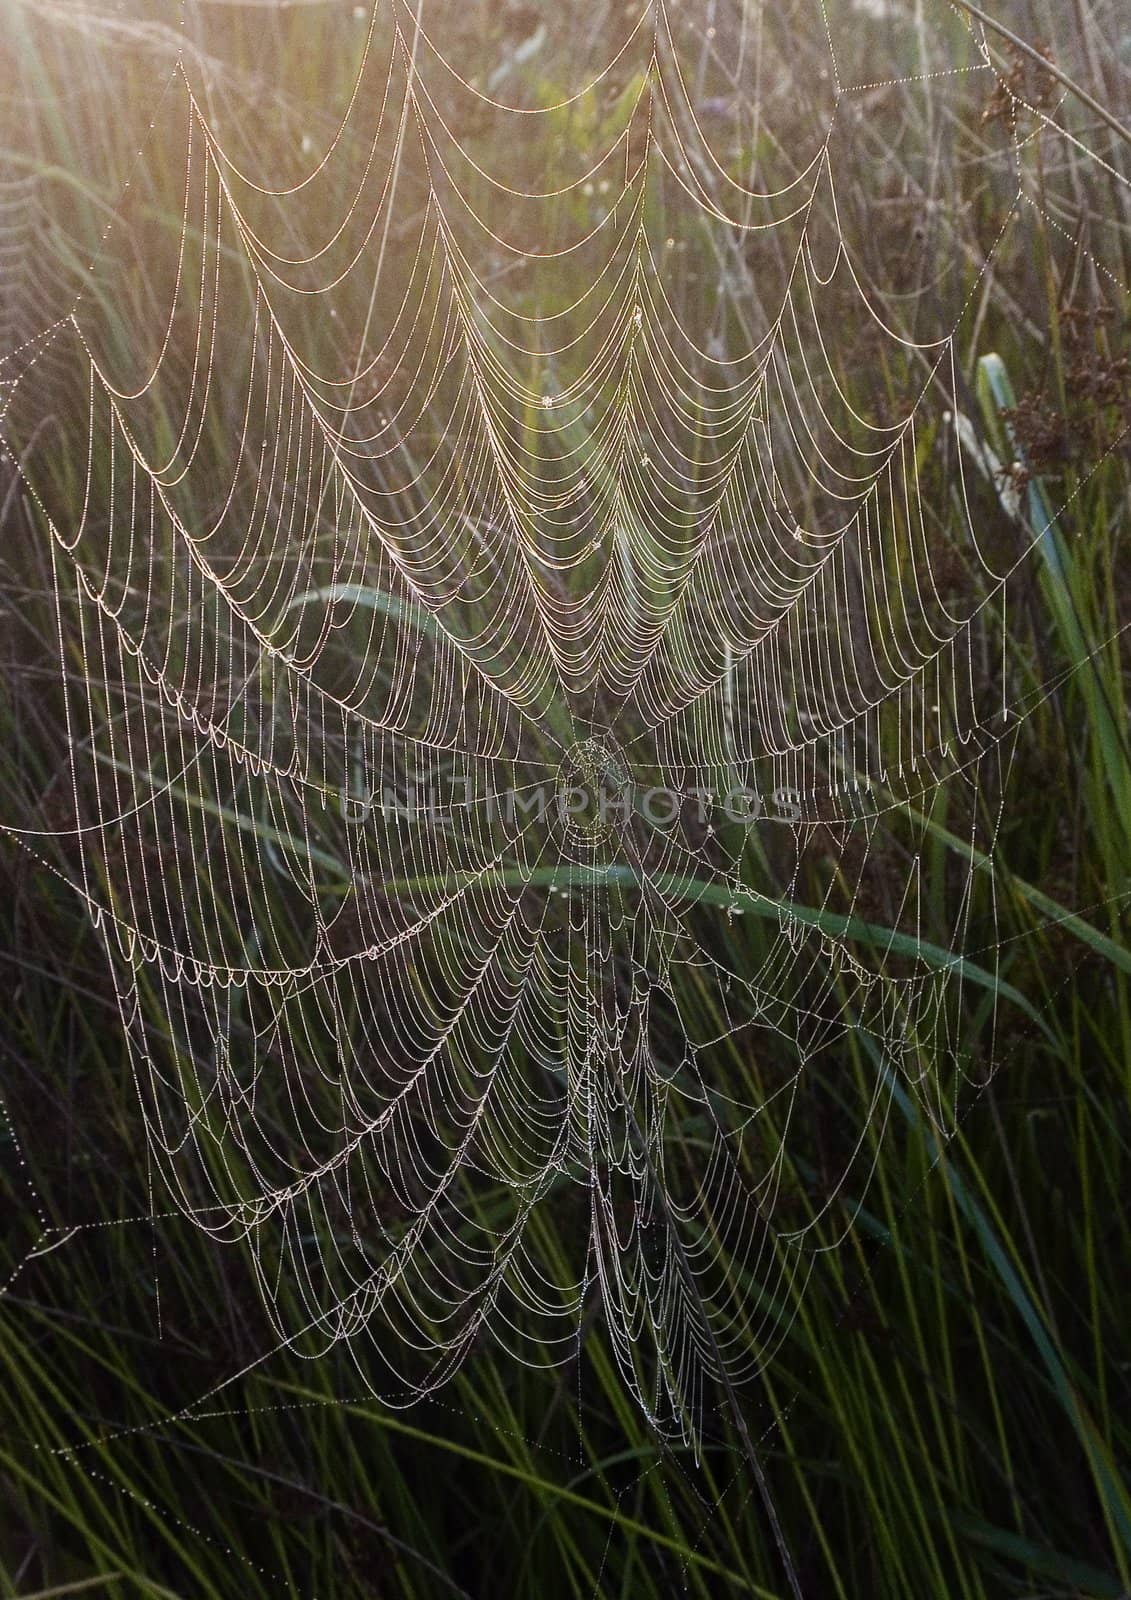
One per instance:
(470, 639)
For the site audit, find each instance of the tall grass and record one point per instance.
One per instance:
(948, 1411)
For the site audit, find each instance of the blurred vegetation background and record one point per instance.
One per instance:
(949, 1411)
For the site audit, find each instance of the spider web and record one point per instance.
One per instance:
(407, 496)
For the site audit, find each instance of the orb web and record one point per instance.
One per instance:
(477, 640)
